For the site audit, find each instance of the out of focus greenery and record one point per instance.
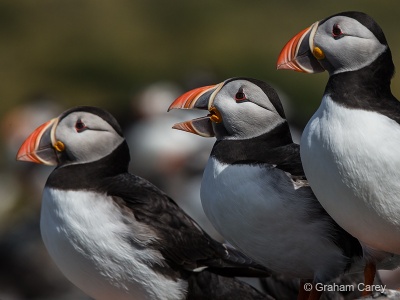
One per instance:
(99, 52)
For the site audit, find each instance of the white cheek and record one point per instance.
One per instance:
(89, 145)
(248, 121)
(356, 54)
(352, 52)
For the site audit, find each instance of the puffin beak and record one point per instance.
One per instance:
(199, 98)
(300, 54)
(40, 146)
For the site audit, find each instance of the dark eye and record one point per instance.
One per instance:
(240, 95)
(80, 126)
(336, 31)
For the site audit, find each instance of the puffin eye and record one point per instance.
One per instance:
(240, 95)
(80, 126)
(336, 31)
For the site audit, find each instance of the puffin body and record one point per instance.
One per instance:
(348, 146)
(254, 190)
(349, 155)
(79, 253)
(114, 234)
(235, 195)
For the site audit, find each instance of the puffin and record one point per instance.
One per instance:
(348, 148)
(255, 192)
(115, 235)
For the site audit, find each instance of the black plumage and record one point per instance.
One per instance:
(274, 147)
(182, 242)
(367, 88)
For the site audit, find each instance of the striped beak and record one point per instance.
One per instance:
(199, 98)
(300, 54)
(40, 146)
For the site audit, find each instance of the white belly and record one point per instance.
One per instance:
(352, 161)
(88, 243)
(244, 205)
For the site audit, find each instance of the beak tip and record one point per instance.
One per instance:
(20, 156)
(184, 126)
(280, 67)
(29, 150)
(25, 157)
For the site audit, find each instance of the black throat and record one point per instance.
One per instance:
(266, 148)
(89, 175)
(367, 88)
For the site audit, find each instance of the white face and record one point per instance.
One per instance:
(347, 44)
(243, 119)
(86, 137)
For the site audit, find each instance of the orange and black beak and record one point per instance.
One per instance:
(41, 146)
(300, 54)
(199, 98)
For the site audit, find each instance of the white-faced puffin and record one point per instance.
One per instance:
(254, 189)
(348, 147)
(114, 234)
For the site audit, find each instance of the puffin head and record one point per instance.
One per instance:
(347, 41)
(239, 108)
(79, 135)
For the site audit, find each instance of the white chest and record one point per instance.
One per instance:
(259, 211)
(85, 235)
(351, 160)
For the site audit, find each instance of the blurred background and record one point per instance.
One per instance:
(134, 58)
